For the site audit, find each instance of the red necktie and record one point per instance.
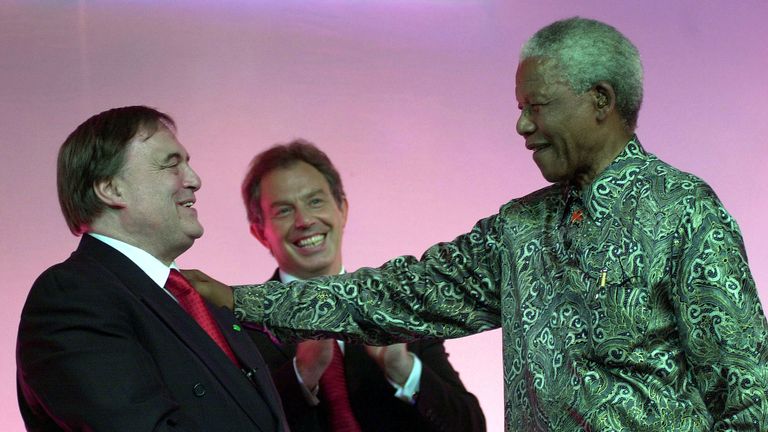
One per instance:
(193, 304)
(333, 386)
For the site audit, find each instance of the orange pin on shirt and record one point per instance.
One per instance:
(577, 216)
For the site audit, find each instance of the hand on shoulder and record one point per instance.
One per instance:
(210, 288)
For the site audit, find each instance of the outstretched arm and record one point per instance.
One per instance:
(454, 290)
(208, 287)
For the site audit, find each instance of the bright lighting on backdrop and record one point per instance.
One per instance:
(413, 100)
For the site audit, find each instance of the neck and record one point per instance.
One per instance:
(164, 256)
(612, 147)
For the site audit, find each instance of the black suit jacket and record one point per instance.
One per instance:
(443, 404)
(102, 348)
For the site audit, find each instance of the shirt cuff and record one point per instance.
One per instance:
(408, 391)
(309, 394)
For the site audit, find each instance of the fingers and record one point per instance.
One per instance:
(312, 359)
(195, 275)
(208, 287)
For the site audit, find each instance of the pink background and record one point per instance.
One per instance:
(413, 100)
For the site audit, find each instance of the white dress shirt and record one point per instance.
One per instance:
(153, 267)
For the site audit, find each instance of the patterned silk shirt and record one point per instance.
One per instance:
(625, 306)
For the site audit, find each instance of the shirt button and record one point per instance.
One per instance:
(199, 390)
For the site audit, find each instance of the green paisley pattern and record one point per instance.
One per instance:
(641, 315)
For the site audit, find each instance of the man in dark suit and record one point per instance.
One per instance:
(297, 209)
(104, 343)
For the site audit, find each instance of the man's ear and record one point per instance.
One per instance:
(110, 192)
(604, 99)
(344, 211)
(258, 232)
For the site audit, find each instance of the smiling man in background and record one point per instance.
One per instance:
(297, 209)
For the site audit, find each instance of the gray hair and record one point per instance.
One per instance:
(589, 51)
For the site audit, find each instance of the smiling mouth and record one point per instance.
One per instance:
(187, 204)
(537, 147)
(310, 242)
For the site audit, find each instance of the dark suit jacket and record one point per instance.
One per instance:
(443, 404)
(102, 348)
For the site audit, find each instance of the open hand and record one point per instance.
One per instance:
(208, 287)
(312, 359)
(395, 360)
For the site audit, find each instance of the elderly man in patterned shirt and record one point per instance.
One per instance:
(622, 289)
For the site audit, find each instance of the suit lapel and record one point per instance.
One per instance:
(252, 363)
(187, 330)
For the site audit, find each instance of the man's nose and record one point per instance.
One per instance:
(524, 124)
(303, 218)
(192, 180)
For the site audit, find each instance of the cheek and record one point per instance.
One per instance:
(277, 233)
(336, 218)
(275, 245)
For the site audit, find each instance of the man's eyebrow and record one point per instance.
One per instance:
(279, 203)
(314, 192)
(309, 194)
(170, 157)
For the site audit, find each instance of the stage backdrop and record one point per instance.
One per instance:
(413, 100)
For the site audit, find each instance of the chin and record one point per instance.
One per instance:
(195, 231)
(317, 269)
(550, 177)
(553, 176)
(194, 235)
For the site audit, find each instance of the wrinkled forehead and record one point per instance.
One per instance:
(538, 74)
(148, 129)
(297, 178)
(542, 69)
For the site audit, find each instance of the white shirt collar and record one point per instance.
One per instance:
(287, 277)
(153, 267)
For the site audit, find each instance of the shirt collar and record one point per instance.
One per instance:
(600, 197)
(154, 268)
(287, 277)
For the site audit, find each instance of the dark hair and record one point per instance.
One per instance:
(284, 156)
(589, 51)
(95, 152)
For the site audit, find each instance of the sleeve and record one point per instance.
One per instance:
(720, 318)
(309, 394)
(408, 391)
(443, 401)
(300, 413)
(452, 291)
(80, 363)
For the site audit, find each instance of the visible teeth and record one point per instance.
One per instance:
(187, 204)
(313, 241)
